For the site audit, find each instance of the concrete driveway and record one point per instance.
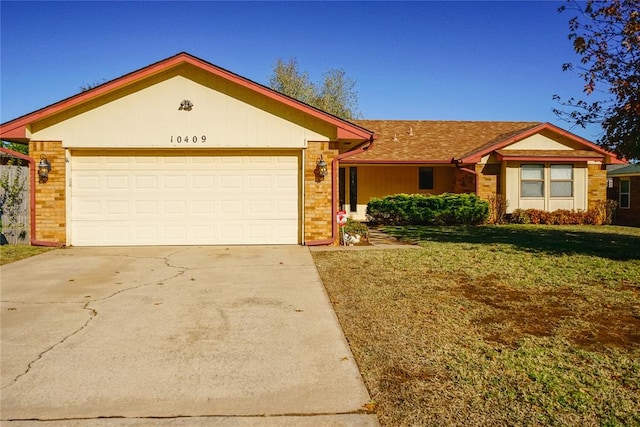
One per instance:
(174, 336)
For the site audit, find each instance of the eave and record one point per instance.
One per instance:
(475, 157)
(400, 162)
(17, 129)
(549, 155)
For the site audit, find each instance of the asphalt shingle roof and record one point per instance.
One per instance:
(423, 141)
(633, 169)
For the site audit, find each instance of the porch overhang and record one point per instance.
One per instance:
(417, 162)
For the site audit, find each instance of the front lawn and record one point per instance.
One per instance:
(495, 325)
(12, 253)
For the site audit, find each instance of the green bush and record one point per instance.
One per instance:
(417, 209)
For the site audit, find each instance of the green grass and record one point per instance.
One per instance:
(12, 253)
(506, 325)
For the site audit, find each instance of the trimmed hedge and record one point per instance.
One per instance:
(416, 209)
(600, 214)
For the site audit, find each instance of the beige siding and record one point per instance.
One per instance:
(150, 118)
(541, 142)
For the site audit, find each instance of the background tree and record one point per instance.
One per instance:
(335, 95)
(20, 148)
(606, 36)
(288, 79)
(88, 86)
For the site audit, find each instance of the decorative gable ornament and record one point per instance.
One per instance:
(186, 105)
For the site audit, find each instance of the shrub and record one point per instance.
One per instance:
(356, 227)
(497, 208)
(603, 212)
(520, 216)
(416, 209)
(600, 214)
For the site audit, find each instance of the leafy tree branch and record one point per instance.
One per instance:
(606, 36)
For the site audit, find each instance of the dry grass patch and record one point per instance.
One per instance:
(495, 332)
(12, 253)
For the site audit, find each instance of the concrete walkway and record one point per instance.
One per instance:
(225, 336)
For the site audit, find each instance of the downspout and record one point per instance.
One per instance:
(335, 164)
(32, 197)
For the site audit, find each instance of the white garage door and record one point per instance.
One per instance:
(169, 199)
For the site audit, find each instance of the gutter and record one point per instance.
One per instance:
(335, 163)
(32, 197)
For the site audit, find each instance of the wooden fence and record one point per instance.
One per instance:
(14, 224)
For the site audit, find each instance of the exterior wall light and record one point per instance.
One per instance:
(44, 167)
(321, 167)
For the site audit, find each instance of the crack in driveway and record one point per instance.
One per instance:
(92, 312)
(246, 336)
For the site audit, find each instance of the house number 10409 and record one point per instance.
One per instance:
(188, 139)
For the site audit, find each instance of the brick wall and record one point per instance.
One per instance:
(489, 178)
(318, 215)
(50, 196)
(629, 216)
(597, 184)
(463, 182)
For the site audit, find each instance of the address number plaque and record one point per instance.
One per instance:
(186, 139)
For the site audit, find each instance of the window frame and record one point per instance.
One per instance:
(524, 166)
(626, 193)
(551, 180)
(425, 169)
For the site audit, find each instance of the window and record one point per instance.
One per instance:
(425, 178)
(625, 193)
(532, 180)
(561, 180)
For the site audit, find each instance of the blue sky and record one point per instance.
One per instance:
(411, 60)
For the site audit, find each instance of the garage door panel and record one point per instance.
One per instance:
(204, 182)
(175, 182)
(118, 207)
(146, 207)
(117, 182)
(151, 200)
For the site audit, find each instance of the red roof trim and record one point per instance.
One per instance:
(549, 158)
(475, 157)
(11, 128)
